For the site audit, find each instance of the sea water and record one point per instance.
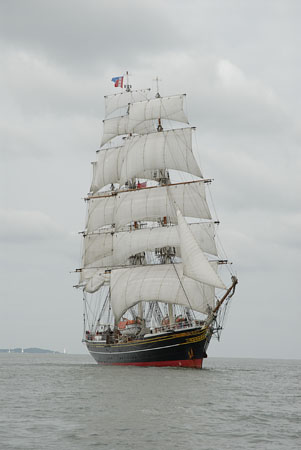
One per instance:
(68, 402)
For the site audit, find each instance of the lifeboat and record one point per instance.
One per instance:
(122, 324)
(129, 327)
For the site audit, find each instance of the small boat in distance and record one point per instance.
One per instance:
(150, 265)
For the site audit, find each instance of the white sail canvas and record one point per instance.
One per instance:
(114, 249)
(107, 168)
(141, 155)
(163, 283)
(170, 149)
(122, 99)
(118, 126)
(163, 107)
(195, 263)
(148, 204)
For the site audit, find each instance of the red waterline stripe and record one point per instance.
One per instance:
(196, 363)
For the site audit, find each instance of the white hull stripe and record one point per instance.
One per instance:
(134, 351)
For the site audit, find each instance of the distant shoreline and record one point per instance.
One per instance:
(27, 350)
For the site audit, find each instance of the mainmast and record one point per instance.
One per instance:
(166, 254)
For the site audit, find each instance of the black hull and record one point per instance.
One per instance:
(181, 348)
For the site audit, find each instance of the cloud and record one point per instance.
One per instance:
(74, 33)
(220, 96)
(28, 226)
(260, 242)
(45, 88)
(248, 182)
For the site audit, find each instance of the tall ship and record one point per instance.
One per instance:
(150, 274)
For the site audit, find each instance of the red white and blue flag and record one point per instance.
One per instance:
(118, 81)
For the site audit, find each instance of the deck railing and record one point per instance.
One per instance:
(101, 336)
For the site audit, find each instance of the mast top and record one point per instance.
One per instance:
(128, 86)
(157, 83)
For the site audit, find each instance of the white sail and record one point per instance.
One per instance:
(107, 168)
(101, 212)
(148, 204)
(140, 155)
(86, 274)
(122, 99)
(97, 247)
(94, 283)
(170, 149)
(118, 126)
(114, 249)
(163, 283)
(163, 107)
(195, 263)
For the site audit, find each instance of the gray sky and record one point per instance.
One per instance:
(239, 63)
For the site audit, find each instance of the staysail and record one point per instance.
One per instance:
(195, 263)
